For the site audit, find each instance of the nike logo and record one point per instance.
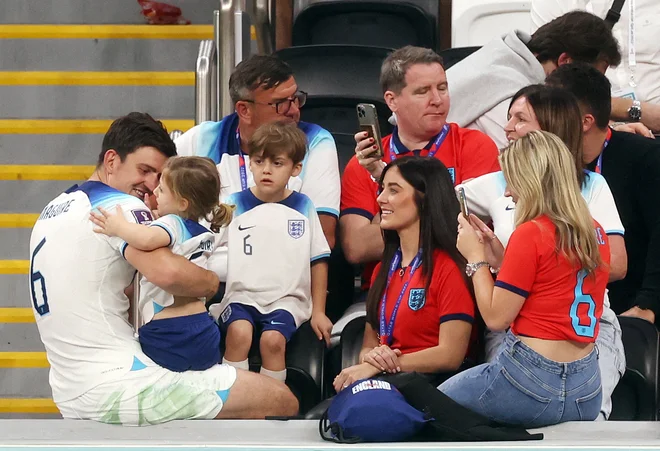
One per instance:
(241, 228)
(277, 323)
(510, 207)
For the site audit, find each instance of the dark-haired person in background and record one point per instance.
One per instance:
(263, 89)
(419, 308)
(631, 166)
(638, 77)
(483, 83)
(78, 280)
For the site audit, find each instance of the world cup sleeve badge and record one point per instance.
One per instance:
(296, 228)
(416, 298)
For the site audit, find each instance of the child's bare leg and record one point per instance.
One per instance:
(237, 344)
(272, 347)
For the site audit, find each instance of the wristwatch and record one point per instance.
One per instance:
(635, 111)
(471, 268)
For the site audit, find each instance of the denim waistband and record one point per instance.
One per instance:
(515, 347)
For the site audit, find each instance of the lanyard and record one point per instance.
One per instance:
(632, 57)
(241, 162)
(434, 147)
(385, 332)
(599, 163)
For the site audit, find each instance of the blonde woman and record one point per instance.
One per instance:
(549, 291)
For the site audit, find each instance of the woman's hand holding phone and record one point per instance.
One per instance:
(365, 149)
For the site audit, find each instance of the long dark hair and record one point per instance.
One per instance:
(438, 209)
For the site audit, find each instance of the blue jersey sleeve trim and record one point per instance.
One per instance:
(328, 211)
(169, 232)
(457, 317)
(615, 232)
(123, 249)
(511, 288)
(320, 257)
(357, 211)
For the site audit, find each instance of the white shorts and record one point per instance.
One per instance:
(154, 395)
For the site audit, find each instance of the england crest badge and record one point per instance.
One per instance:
(417, 298)
(296, 228)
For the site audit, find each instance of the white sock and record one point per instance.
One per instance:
(242, 365)
(278, 375)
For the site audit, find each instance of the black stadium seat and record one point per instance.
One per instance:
(349, 71)
(636, 395)
(305, 360)
(338, 114)
(456, 54)
(382, 24)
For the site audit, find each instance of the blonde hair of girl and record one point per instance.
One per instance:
(540, 170)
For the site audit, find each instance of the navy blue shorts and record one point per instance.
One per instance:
(279, 320)
(184, 343)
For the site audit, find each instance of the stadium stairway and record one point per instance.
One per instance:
(68, 68)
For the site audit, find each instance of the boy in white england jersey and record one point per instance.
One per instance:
(277, 268)
(78, 280)
(177, 332)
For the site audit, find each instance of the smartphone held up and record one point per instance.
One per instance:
(368, 121)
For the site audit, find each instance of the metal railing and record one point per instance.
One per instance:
(217, 59)
(206, 83)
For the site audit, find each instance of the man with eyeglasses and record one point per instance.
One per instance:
(263, 89)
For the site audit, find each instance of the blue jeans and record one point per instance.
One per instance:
(611, 357)
(522, 387)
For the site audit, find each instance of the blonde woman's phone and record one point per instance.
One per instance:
(463, 203)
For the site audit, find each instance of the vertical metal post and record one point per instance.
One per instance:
(216, 40)
(261, 18)
(206, 107)
(225, 35)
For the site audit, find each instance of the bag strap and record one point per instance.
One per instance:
(336, 435)
(614, 14)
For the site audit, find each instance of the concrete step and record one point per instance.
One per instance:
(54, 102)
(20, 337)
(14, 243)
(96, 11)
(50, 149)
(28, 408)
(30, 196)
(14, 290)
(92, 54)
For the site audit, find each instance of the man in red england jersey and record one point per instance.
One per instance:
(415, 88)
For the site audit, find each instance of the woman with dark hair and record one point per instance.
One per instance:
(556, 110)
(419, 308)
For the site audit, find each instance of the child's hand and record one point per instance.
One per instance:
(108, 224)
(322, 326)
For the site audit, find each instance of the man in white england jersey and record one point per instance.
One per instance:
(78, 279)
(263, 89)
(278, 255)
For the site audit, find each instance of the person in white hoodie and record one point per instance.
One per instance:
(483, 83)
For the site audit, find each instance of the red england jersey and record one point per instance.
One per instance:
(421, 314)
(562, 302)
(467, 154)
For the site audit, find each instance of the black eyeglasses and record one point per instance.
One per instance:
(283, 106)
